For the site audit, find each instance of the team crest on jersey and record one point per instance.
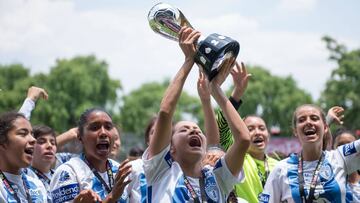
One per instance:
(326, 171)
(211, 189)
(349, 149)
(64, 176)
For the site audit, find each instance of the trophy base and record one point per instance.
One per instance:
(213, 51)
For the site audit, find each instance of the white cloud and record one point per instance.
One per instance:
(297, 5)
(37, 32)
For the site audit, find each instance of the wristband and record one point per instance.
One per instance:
(235, 103)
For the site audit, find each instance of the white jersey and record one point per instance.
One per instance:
(74, 176)
(35, 187)
(43, 177)
(165, 180)
(353, 193)
(135, 191)
(62, 157)
(283, 184)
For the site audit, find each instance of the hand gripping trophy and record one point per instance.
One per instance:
(212, 52)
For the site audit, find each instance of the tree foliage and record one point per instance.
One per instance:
(274, 98)
(343, 87)
(13, 85)
(73, 86)
(143, 103)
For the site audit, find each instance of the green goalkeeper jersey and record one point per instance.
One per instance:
(254, 169)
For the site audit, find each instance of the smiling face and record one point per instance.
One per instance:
(45, 149)
(259, 134)
(310, 125)
(188, 142)
(17, 151)
(97, 137)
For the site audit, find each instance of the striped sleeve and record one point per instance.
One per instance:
(226, 137)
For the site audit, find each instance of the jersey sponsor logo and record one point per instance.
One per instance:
(264, 198)
(66, 193)
(35, 192)
(64, 176)
(349, 149)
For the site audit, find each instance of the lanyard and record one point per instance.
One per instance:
(192, 191)
(98, 176)
(267, 171)
(10, 189)
(42, 176)
(313, 180)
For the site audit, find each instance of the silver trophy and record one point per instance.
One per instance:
(212, 51)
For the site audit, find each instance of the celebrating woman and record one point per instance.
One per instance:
(92, 176)
(16, 153)
(314, 175)
(173, 161)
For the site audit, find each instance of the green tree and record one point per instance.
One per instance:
(73, 86)
(343, 87)
(272, 97)
(12, 80)
(143, 103)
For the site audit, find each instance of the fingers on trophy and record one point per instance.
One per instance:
(215, 53)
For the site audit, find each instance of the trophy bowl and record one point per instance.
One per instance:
(213, 52)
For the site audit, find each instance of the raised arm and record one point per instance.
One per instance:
(163, 125)
(235, 155)
(335, 115)
(66, 137)
(33, 94)
(211, 128)
(240, 79)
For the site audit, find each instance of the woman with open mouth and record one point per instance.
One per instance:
(257, 164)
(313, 175)
(44, 156)
(16, 153)
(173, 161)
(92, 177)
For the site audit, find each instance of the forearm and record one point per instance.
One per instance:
(226, 137)
(211, 127)
(63, 139)
(27, 107)
(162, 134)
(237, 93)
(235, 155)
(236, 124)
(173, 92)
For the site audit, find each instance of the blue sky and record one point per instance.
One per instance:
(283, 36)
